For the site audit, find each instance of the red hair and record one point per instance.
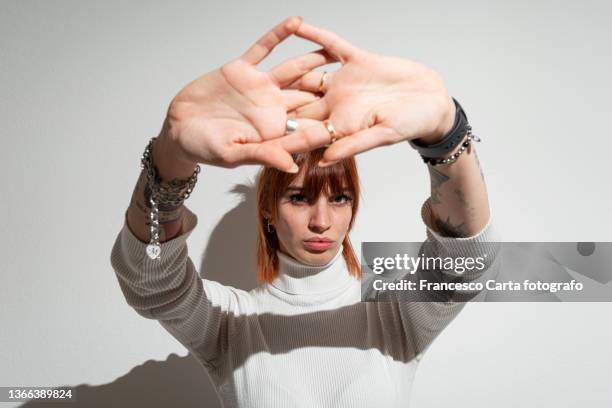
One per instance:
(271, 186)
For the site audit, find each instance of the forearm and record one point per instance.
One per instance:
(459, 198)
(170, 218)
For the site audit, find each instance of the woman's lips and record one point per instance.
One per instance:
(318, 245)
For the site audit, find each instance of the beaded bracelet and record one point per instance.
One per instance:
(453, 157)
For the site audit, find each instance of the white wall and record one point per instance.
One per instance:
(84, 86)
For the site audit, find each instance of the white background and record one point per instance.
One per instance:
(84, 85)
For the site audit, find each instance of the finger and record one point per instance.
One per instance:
(334, 44)
(271, 39)
(292, 69)
(302, 123)
(305, 138)
(271, 124)
(317, 109)
(268, 154)
(312, 81)
(356, 143)
(295, 99)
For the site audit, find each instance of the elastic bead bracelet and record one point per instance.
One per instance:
(453, 157)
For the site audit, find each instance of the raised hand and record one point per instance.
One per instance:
(372, 100)
(235, 114)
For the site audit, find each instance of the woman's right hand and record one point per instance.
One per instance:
(234, 115)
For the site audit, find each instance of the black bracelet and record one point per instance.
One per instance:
(450, 141)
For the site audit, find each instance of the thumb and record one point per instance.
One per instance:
(267, 153)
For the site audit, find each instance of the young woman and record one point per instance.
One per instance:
(302, 338)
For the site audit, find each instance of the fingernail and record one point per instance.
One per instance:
(323, 163)
(294, 168)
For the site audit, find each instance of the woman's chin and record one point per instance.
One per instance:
(316, 257)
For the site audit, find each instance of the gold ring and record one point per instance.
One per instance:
(331, 130)
(322, 83)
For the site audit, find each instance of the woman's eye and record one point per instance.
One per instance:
(297, 198)
(301, 198)
(342, 199)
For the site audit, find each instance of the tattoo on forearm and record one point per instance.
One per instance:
(466, 211)
(461, 197)
(447, 228)
(469, 209)
(437, 179)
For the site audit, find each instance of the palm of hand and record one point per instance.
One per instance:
(402, 98)
(236, 104)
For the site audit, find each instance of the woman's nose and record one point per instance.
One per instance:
(320, 216)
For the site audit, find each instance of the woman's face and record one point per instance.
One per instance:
(299, 222)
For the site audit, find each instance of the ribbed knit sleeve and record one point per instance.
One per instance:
(424, 320)
(169, 290)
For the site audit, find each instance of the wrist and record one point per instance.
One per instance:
(444, 127)
(167, 159)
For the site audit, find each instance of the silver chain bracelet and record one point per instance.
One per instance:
(173, 193)
(453, 157)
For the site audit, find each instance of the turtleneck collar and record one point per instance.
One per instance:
(297, 278)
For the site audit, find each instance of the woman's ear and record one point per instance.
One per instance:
(266, 214)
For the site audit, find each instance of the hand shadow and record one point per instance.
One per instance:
(175, 382)
(229, 258)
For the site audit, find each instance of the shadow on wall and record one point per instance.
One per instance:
(228, 258)
(175, 382)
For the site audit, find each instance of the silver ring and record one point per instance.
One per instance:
(291, 126)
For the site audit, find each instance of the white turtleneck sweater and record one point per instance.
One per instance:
(306, 339)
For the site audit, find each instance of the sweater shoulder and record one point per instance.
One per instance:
(230, 299)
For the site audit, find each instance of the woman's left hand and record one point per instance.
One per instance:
(371, 101)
